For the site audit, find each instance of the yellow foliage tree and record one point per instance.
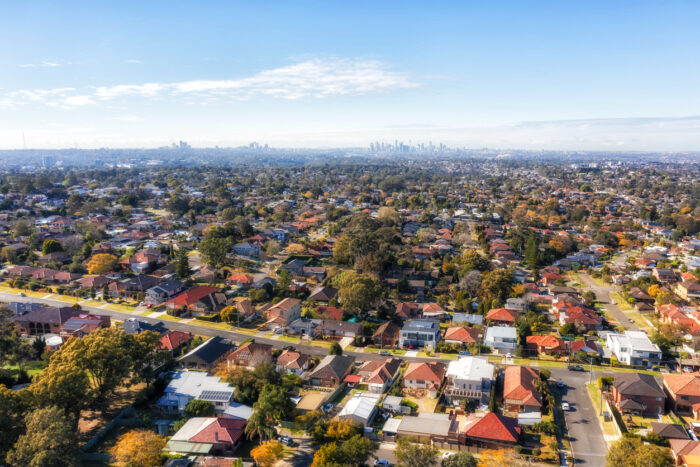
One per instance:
(341, 429)
(267, 453)
(653, 290)
(138, 448)
(493, 458)
(101, 263)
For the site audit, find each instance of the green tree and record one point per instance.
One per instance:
(411, 453)
(214, 249)
(199, 408)
(284, 280)
(357, 292)
(632, 452)
(50, 246)
(12, 409)
(335, 349)
(496, 285)
(50, 441)
(531, 251)
(261, 426)
(182, 266)
(460, 459)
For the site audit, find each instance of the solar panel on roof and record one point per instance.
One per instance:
(216, 396)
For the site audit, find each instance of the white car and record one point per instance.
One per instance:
(565, 406)
(381, 462)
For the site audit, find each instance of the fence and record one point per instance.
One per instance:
(119, 420)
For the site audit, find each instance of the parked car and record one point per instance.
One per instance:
(22, 294)
(381, 462)
(288, 347)
(565, 406)
(464, 352)
(384, 352)
(575, 368)
(286, 440)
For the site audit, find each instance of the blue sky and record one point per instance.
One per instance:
(552, 75)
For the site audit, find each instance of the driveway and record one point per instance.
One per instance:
(585, 433)
(603, 295)
(303, 453)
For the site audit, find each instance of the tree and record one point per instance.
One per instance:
(470, 283)
(101, 263)
(229, 314)
(632, 452)
(357, 292)
(411, 453)
(340, 430)
(182, 266)
(531, 251)
(12, 409)
(493, 458)
(199, 408)
(50, 440)
(50, 246)
(335, 349)
(327, 455)
(460, 459)
(214, 249)
(261, 426)
(63, 385)
(496, 285)
(274, 402)
(357, 450)
(284, 280)
(138, 448)
(267, 453)
(10, 342)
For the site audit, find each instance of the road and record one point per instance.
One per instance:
(584, 430)
(585, 433)
(603, 295)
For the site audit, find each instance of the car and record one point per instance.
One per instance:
(22, 294)
(384, 352)
(149, 306)
(576, 368)
(381, 462)
(508, 355)
(687, 369)
(288, 347)
(565, 406)
(327, 408)
(614, 302)
(464, 352)
(630, 320)
(447, 454)
(286, 440)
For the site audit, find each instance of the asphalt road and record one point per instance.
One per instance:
(603, 295)
(585, 433)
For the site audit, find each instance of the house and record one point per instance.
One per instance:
(633, 348)
(419, 333)
(428, 427)
(163, 292)
(43, 320)
(688, 290)
(361, 408)
(664, 275)
(323, 294)
(329, 328)
(207, 355)
(207, 435)
(136, 326)
(683, 391)
(492, 431)
(502, 339)
(669, 430)
(83, 324)
(393, 405)
(685, 452)
(386, 335)
(96, 282)
(188, 385)
(295, 266)
(174, 340)
(283, 313)
(379, 375)
(470, 379)
(290, 361)
(240, 280)
(406, 311)
(638, 393)
(461, 335)
(502, 316)
(247, 249)
(132, 287)
(201, 299)
(250, 355)
(424, 375)
(519, 390)
(548, 345)
(332, 370)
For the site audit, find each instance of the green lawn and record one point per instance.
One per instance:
(621, 302)
(608, 427)
(32, 368)
(292, 339)
(168, 317)
(146, 313)
(212, 324)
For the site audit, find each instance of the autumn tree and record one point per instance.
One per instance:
(101, 263)
(267, 453)
(632, 452)
(138, 448)
(50, 440)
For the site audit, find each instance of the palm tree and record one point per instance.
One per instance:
(261, 426)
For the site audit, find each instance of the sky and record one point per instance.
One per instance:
(585, 75)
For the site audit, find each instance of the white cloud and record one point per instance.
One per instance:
(44, 64)
(133, 60)
(311, 79)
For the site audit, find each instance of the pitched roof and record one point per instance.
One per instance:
(462, 334)
(211, 350)
(192, 296)
(502, 314)
(388, 329)
(683, 385)
(548, 342)
(685, 447)
(228, 430)
(637, 384)
(425, 371)
(494, 427)
(171, 340)
(519, 385)
(668, 430)
(333, 366)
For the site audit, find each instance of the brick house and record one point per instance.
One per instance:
(546, 345)
(519, 390)
(250, 355)
(683, 391)
(638, 393)
(386, 335)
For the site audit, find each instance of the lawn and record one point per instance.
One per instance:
(608, 427)
(291, 339)
(325, 344)
(639, 320)
(119, 307)
(168, 317)
(212, 324)
(32, 368)
(146, 313)
(621, 302)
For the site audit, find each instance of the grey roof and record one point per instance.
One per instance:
(670, 431)
(424, 325)
(210, 351)
(333, 366)
(426, 424)
(637, 384)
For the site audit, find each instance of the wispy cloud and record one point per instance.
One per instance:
(133, 60)
(313, 79)
(44, 64)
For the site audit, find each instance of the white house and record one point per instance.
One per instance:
(633, 348)
(361, 408)
(503, 339)
(188, 385)
(469, 378)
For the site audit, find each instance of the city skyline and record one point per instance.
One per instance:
(539, 76)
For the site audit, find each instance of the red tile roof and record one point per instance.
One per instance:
(494, 427)
(191, 296)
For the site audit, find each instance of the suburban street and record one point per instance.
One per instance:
(585, 432)
(603, 295)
